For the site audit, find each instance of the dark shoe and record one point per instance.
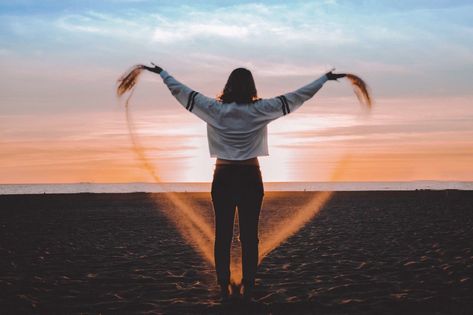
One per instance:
(235, 291)
(248, 292)
(224, 292)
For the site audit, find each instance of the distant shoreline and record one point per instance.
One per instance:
(13, 189)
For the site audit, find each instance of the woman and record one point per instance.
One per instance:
(237, 134)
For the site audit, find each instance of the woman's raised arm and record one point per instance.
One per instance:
(204, 107)
(273, 108)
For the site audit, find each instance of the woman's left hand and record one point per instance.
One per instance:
(335, 76)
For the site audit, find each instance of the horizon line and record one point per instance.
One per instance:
(147, 187)
(266, 182)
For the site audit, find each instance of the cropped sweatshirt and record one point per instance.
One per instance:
(239, 131)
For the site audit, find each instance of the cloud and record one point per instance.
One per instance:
(240, 22)
(257, 23)
(103, 24)
(200, 29)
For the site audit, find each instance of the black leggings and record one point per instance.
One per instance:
(237, 186)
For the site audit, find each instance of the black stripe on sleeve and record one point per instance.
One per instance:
(283, 105)
(284, 99)
(193, 101)
(189, 100)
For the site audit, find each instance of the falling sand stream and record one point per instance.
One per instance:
(195, 228)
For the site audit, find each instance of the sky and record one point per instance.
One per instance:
(60, 121)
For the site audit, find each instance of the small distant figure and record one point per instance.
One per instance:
(237, 134)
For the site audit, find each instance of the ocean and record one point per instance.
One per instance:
(13, 189)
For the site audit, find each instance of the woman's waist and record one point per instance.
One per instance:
(249, 162)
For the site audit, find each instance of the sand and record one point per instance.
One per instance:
(365, 252)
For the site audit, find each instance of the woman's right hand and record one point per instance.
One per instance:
(155, 69)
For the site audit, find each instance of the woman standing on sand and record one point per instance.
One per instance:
(237, 134)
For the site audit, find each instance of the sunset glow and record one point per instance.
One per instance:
(60, 121)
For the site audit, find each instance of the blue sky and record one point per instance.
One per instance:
(412, 48)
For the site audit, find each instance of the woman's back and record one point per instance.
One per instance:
(238, 131)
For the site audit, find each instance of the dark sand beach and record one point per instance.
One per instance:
(365, 252)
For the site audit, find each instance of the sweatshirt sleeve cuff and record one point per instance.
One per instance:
(164, 74)
(323, 79)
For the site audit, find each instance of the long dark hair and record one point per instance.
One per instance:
(240, 88)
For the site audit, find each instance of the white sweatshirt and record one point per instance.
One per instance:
(239, 131)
